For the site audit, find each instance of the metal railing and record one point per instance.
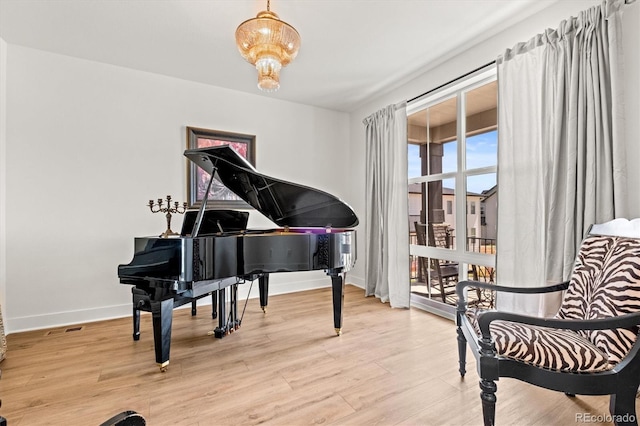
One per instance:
(475, 272)
(474, 244)
(481, 245)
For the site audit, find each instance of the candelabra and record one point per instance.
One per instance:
(160, 208)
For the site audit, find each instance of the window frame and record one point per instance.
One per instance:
(456, 89)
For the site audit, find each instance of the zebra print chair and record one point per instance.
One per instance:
(589, 347)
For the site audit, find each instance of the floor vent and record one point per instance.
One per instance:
(62, 330)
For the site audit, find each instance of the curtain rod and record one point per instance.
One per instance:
(471, 72)
(455, 79)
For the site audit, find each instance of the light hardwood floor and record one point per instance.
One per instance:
(389, 367)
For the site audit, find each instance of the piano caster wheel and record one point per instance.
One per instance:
(264, 309)
(338, 331)
(164, 366)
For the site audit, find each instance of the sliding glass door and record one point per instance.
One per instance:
(452, 157)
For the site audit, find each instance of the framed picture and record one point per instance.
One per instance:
(197, 179)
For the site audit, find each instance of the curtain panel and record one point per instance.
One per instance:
(561, 156)
(386, 231)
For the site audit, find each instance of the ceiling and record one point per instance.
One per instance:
(352, 50)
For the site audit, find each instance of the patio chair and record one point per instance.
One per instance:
(589, 347)
(444, 272)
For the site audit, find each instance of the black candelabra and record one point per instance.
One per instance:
(169, 210)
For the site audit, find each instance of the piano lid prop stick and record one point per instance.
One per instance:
(203, 207)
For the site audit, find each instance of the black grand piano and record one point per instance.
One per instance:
(215, 251)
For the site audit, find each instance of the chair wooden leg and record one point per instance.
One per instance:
(462, 352)
(622, 407)
(488, 397)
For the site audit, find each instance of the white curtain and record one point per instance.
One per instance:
(561, 155)
(387, 232)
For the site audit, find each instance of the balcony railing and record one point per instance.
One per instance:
(474, 272)
(481, 245)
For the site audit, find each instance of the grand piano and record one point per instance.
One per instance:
(215, 251)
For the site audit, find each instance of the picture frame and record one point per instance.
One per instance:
(220, 197)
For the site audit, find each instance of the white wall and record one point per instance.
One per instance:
(89, 144)
(486, 52)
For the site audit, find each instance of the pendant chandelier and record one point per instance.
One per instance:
(268, 43)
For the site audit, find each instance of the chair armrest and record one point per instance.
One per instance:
(621, 321)
(461, 285)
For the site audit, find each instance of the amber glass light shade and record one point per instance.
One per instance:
(268, 43)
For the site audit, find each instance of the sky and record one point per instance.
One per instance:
(481, 152)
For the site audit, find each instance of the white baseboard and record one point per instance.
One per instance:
(62, 319)
(80, 316)
(357, 281)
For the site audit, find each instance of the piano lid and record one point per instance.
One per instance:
(285, 203)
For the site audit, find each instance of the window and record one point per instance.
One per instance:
(452, 158)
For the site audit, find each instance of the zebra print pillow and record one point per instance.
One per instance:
(605, 283)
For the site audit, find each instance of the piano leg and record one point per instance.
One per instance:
(194, 307)
(162, 316)
(263, 286)
(337, 286)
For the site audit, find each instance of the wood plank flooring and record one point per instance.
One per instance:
(389, 367)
